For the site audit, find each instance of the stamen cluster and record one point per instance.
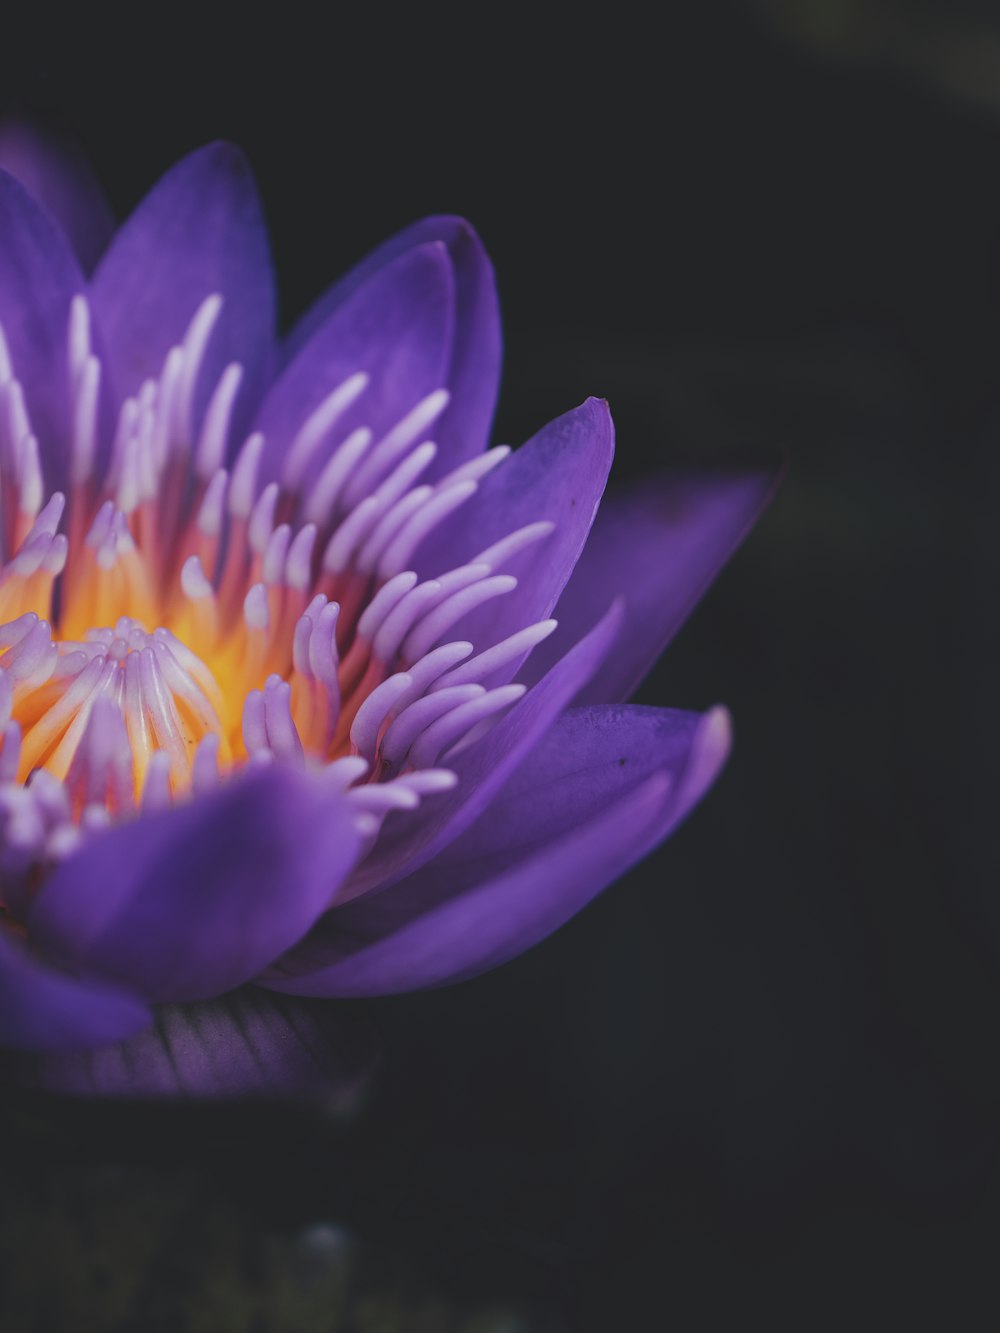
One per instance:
(182, 617)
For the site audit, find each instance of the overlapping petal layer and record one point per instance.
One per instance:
(63, 183)
(368, 779)
(602, 787)
(42, 1008)
(188, 903)
(659, 547)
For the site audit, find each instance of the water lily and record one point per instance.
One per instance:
(304, 690)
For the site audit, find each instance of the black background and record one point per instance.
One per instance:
(762, 1073)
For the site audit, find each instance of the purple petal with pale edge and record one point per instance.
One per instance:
(658, 546)
(489, 898)
(199, 230)
(559, 474)
(188, 903)
(484, 767)
(63, 183)
(246, 1044)
(473, 374)
(397, 327)
(45, 1009)
(39, 276)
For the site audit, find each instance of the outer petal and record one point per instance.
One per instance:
(658, 546)
(38, 278)
(497, 892)
(473, 374)
(245, 1044)
(484, 767)
(45, 1009)
(194, 901)
(199, 230)
(398, 327)
(559, 474)
(63, 183)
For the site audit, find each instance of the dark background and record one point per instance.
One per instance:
(762, 1073)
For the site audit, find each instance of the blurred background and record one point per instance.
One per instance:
(761, 1073)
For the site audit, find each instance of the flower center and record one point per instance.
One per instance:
(190, 619)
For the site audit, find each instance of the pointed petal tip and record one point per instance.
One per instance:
(716, 728)
(710, 748)
(221, 151)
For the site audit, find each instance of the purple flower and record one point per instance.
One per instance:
(304, 691)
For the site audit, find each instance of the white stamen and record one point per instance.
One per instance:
(49, 518)
(342, 773)
(211, 451)
(31, 486)
(383, 797)
(298, 567)
(497, 555)
(438, 621)
(165, 429)
(205, 766)
(262, 517)
(476, 468)
(482, 666)
(388, 525)
(32, 660)
(199, 331)
(323, 650)
(84, 431)
(322, 497)
(156, 788)
(78, 340)
(16, 419)
(212, 507)
(275, 553)
(10, 752)
(6, 368)
(373, 712)
(428, 781)
(429, 669)
(243, 486)
(162, 713)
(397, 623)
(283, 737)
(254, 724)
(395, 443)
(15, 630)
(440, 736)
(387, 597)
(316, 427)
(400, 550)
(6, 698)
(340, 548)
(412, 721)
(255, 608)
(194, 581)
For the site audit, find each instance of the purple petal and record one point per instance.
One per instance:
(63, 183)
(247, 1044)
(558, 475)
(45, 1009)
(188, 903)
(483, 768)
(608, 784)
(199, 231)
(39, 276)
(473, 373)
(397, 327)
(658, 546)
